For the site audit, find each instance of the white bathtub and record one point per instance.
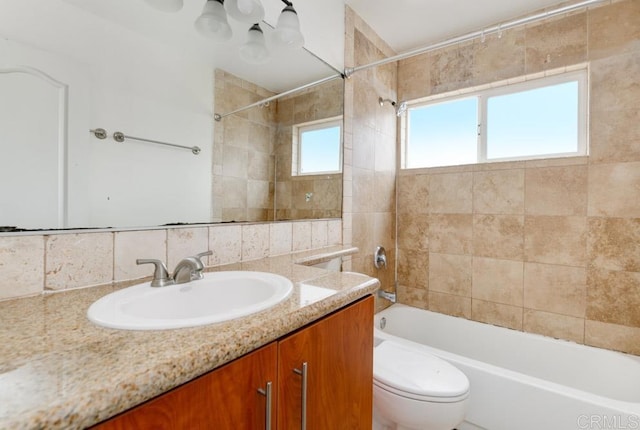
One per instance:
(523, 381)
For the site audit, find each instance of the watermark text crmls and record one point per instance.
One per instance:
(608, 422)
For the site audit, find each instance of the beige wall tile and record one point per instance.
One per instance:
(384, 229)
(556, 240)
(451, 193)
(451, 233)
(614, 243)
(385, 192)
(611, 88)
(614, 136)
(500, 57)
(334, 232)
(363, 232)
(318, 234)
(301, 236)
(497, 314)
(556, 190)
(255, 241)
(612, 336)
(413, 231)
(499, 281)
(554, 325)
(413, 194)
(498, 236)
(132, 245)
(450, 304)
(450, 274)
(452, 68)
(498, 192)
(280, 238)
(226, 243)
(614, 190)
(186, 242)
(412, 75)
(614, 29)
(557, 289)
(556, 43)
(413, 268)
(78, 260)
(416, 297)
(614, 297)
(22, 266)
(363, 190)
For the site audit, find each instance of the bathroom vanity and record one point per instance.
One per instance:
(321, 374)
(60, 371)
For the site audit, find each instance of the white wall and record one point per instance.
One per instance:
(120, 81)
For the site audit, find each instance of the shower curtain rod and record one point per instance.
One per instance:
(474, 35)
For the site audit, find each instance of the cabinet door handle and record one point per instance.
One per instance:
(267, 394)
(303, 412)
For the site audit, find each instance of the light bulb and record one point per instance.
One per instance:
(287, 32)
(255, 50)
(212, 22)
(165, 5)
(248, 11)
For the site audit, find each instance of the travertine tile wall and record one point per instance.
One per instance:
(316, 103)
(33, 264)
(370, 154)
(242, 148)
(548, 246)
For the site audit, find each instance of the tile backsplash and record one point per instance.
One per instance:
(34, 264)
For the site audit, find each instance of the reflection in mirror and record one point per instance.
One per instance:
(69, 66)
(256, 177)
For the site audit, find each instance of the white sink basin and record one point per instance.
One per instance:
(220, 296)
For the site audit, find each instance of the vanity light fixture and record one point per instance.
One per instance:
(255, 50)
(213, 21)
(166, 5)
(287, 33)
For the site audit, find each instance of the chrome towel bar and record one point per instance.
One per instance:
(119, 136)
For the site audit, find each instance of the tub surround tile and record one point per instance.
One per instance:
(556, 43)
(613, 297)
(451, 193)
(611, 88)
(500, 57)
(554, 325)
(614, 136)
(450, 274)
(451, 233)
(78, 260)
(556, 240)
(614, 243)
(612, 336)
(498, 192)
(413, 231)
(558, 289)
(614, 189)
(413, 268)
(417, 297)
(498, 236)
(413, 194)
(498, 281)
(129, 246)
(22, 266)
(450, 304)
(613, 29)
(497, 314)
(556, 191)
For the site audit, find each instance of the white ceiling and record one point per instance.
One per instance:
(409, 24)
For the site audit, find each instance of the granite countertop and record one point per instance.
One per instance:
(60, 371)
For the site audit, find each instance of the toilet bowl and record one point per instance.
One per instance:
(415, 390)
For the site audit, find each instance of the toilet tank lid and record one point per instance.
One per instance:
(417, 372)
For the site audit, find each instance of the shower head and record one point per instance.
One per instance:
(400, 109)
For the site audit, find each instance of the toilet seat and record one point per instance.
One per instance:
(417, 375)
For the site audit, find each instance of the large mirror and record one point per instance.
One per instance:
(71, 66)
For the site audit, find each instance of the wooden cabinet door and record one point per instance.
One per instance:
(338, 352)
(223, 399)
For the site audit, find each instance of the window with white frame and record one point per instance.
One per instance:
(536, 118)
(317, 147)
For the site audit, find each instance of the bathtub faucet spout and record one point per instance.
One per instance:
(386, 295)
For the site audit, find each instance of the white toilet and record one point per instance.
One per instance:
(415, 390)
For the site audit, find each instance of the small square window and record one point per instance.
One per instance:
(318, 148)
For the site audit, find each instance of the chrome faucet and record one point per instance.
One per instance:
(187, 270)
